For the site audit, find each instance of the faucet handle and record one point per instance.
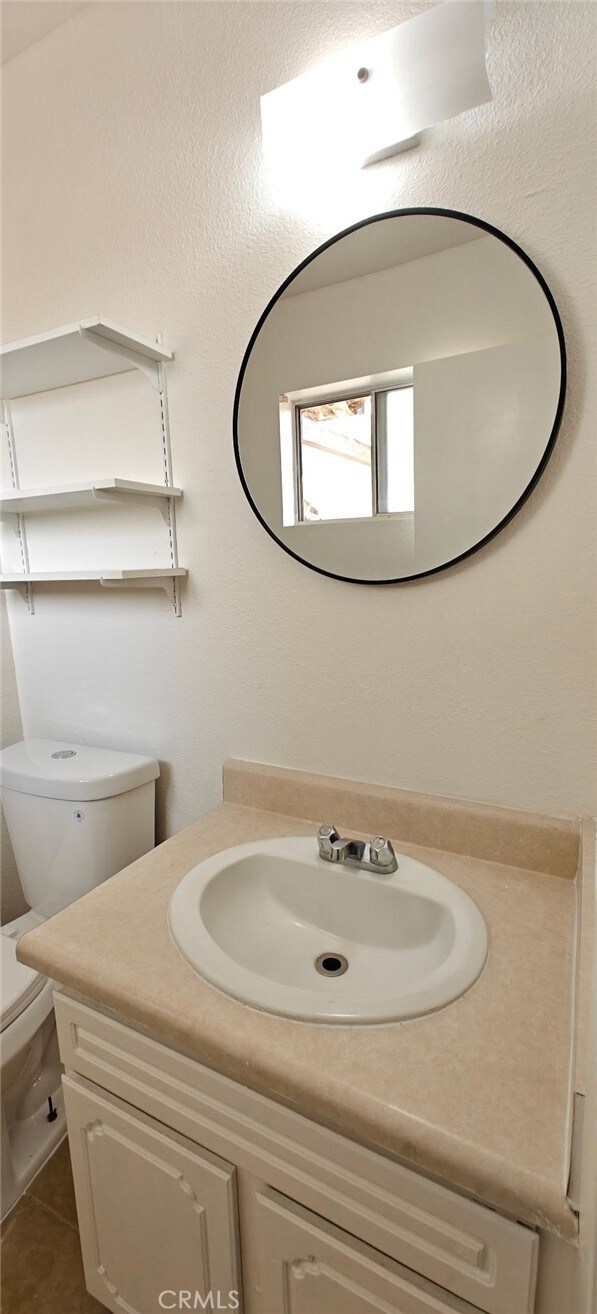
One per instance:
(382, 854)
(326, 837)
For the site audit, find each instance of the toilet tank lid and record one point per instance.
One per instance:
(56, 769)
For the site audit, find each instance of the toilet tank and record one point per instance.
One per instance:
(75, 815)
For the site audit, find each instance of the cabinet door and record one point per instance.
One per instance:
(305, 1265)
(156, 1214)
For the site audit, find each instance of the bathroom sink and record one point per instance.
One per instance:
(279, 928)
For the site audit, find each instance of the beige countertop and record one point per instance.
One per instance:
(477, 1095)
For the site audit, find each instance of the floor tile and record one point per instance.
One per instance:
(53, 1186)
(7, 1223)
(41, 1265)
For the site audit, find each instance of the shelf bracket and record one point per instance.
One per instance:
(25, 592)
(161, 504)
(13, 519)
(150, 368)
(153, 583)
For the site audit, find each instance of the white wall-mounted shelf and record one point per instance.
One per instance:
(65, 497)
(90, 349)
(76, 353)
(156, 577)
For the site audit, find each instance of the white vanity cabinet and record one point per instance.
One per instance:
(156, 1214)
(179, 1172)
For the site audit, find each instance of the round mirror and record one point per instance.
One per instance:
(400, 396)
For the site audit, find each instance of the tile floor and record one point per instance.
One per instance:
(39, 1250)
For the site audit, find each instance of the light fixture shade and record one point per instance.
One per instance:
(376, 96)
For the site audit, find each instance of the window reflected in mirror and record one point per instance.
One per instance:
(349, 457)
(396, 441)
(335, 460)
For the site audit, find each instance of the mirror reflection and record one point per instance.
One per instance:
(399, 397)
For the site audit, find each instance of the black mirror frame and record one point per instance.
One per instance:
(363, 223)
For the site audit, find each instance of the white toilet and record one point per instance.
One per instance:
(75, 816)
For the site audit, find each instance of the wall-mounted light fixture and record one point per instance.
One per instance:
(375, 97)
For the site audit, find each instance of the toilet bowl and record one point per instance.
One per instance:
(76, 816)
(31, 1126)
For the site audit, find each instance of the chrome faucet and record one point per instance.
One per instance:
(377, 855)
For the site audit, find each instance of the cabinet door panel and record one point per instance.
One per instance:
(156, 1214)
(308, 1266)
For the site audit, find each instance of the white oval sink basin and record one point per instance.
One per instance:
(281, 929)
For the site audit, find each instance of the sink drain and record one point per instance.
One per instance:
(331, 964)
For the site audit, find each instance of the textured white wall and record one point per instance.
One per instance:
(133, 185)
